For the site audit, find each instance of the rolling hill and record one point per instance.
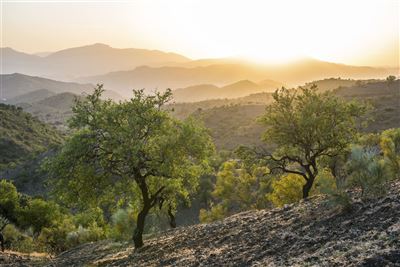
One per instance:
(17, 84)
(235, 123)
(19, 88)
(84, 61)
(222, 74)
(31, 97)
(22, 135)
(235, 90)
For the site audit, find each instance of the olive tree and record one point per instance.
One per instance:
(130, 153)
(305, 126)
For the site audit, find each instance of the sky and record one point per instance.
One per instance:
(356, 32)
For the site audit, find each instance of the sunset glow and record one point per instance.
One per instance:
(351, 32)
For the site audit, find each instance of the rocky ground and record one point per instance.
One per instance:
(304, 234)
(16, 259)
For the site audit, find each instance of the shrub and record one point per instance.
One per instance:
(38, 214)
(19, 241)
(54, 238)
(123, 224)
(287, 189)
(84, 235)
(217, 212)
(368, 171)
(9, 199)
(390, 145)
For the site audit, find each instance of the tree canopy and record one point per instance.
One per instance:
(130, 153)
(306, 126)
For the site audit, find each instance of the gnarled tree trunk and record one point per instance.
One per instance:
(138, 233)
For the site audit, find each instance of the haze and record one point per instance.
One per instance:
(350, 32)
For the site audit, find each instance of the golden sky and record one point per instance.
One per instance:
(358, 32)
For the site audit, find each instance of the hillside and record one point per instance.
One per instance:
(235, 124)
(83, 61)
(22, 136)
(238, 89)
(31, 97)
(308, 233)
(14, 85)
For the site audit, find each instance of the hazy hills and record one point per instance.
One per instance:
(16, 84)
(83, 61)
(222, 74)
(20, 88)
(122, 70)
(208, 91)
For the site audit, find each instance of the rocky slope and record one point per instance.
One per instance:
(305, 234)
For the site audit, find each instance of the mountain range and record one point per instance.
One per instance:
(74, 62)
(122, 70)
(238, 89)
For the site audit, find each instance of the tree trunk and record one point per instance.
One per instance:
(307, 187)
(172, 221)
(138, 233)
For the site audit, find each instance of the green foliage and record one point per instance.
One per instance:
(23, 136)
(40, 225)
(17, 240)
(38, 214)
(368, 171)
(286, 190)
(123, 224)
(84, 235)
(307, 126)
(217, 212)
(236, 190)
(390, 145)
(9, 199)
(53, 238)
(129, 152)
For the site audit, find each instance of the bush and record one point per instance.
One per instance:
(287, 189)
(38, 214)
(19, 241)
(390, 145)
(54, 238)
(9, 199)
(217, 212)
(237, 189)
(368, 171)
(84, 235)
(123, 224)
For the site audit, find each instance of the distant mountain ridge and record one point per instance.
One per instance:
(87, 60)
(222, 74)
(20, 88)
(238, 89)
(130, 68)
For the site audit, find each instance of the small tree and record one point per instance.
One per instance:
(130, 152)
(236, 189)
(307, 126)
(9, 200)
(390, 79)
(368, 171)
(390, 145)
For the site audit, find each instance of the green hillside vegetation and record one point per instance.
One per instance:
(22, 136)
(127, 171)
(31, 97)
